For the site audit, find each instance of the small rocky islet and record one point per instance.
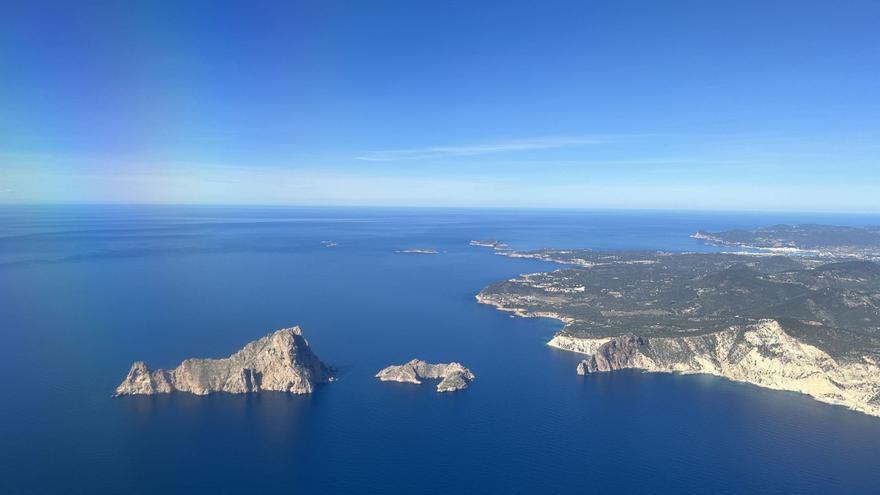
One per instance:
(418, 251)
(453, 376)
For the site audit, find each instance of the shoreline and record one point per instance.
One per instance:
(760, 353)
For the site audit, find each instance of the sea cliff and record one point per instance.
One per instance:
(762, 354)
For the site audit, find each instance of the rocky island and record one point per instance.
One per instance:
(419, 251)
(281, 361)
(804, 324)
(453, 376)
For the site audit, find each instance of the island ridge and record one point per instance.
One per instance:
(281, 361)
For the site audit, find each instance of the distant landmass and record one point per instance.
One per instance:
(808, 323)
(815, 238)
(490, 243)
(419, 251)
(281, 361)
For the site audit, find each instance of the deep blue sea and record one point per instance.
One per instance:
(86, 290)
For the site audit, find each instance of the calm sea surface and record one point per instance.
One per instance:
(84, 291)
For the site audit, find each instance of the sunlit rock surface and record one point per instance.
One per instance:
(762, 354)
(453, 376)
(281, 361)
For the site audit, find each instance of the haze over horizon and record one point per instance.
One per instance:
(677, 105)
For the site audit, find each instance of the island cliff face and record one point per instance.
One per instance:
(281, 361)
(453, 376)
(762, 354)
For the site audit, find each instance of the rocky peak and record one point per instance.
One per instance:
(281, 361)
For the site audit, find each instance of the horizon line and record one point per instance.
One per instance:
(441, 207)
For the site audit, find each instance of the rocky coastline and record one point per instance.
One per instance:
(805, 325)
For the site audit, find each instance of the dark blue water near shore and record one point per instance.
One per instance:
(84, 291)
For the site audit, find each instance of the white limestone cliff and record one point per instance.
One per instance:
(762, 354)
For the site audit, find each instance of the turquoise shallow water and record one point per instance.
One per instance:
(86, 290)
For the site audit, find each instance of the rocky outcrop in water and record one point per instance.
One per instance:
(418, 251)
(453, 376)
(281, 361)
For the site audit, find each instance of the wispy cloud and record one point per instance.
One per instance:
(482, 149)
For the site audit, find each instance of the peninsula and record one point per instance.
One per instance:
(281, 361)
(490, 243)
(453, 376)
(804, 324)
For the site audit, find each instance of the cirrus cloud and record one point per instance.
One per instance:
(482, 149)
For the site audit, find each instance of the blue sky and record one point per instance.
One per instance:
(614, 104)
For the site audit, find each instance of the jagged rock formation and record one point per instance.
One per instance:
(762, 354)
(453, 376)
(281, 361)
